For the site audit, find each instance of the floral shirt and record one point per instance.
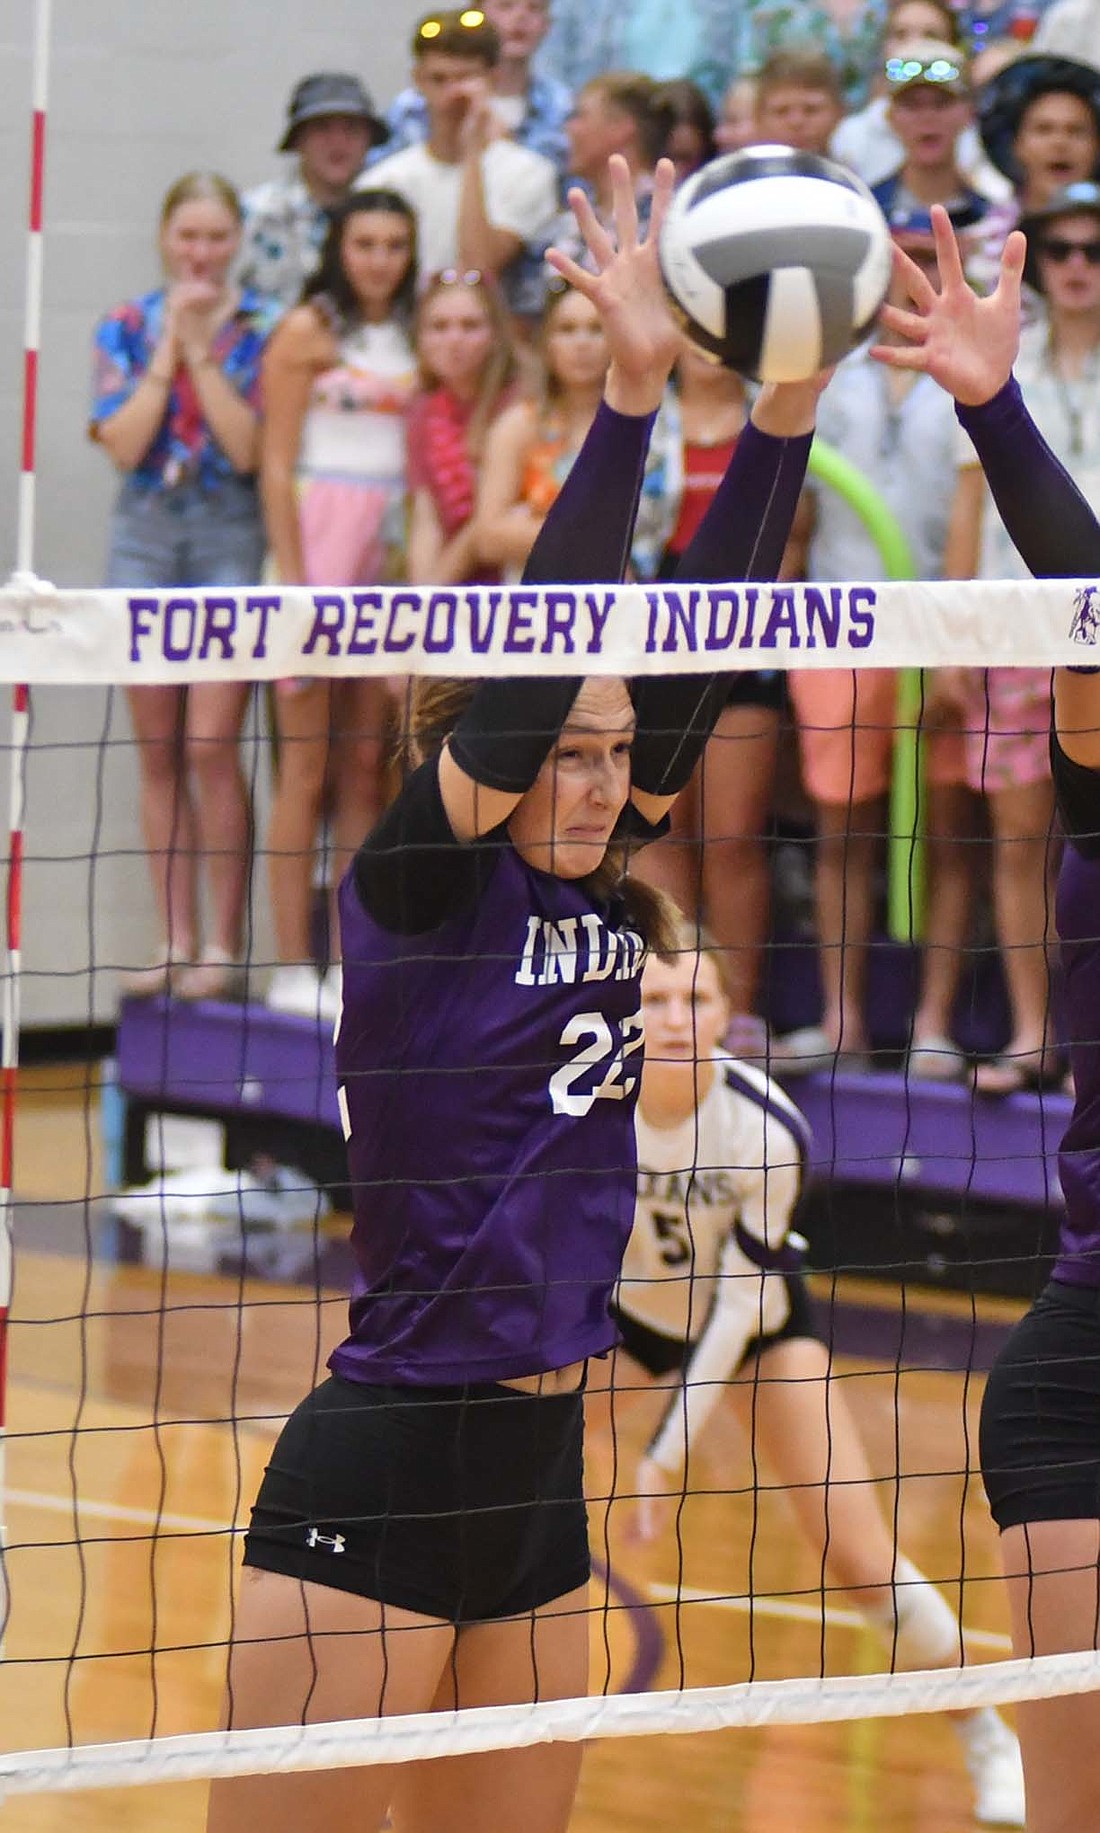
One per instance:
(542, 128)
(662, 38)
(765, 26)
(284, 232)
(184, 447)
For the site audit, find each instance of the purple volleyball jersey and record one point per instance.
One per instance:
(488, 1072)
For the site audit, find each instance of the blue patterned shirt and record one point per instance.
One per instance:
(184, 446)
(662, 38)
(284, 232)
(542, 128)
(765, 26)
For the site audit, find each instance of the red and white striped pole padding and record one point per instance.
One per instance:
(20, 721)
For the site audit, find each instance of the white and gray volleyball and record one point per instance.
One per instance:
(776, 261)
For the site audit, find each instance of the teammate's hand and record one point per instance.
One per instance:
(965, 343)
(656, 1496)
(626, 289)
(193, 316)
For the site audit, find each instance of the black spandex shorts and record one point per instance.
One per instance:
(766, 687)
(1040, 1429)
(661, 1355)
(460, 1503)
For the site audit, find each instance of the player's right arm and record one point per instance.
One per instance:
(502, 740)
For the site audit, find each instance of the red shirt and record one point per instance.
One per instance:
(704, 469)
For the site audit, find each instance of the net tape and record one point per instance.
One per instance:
(352, 1743)
(52, 636)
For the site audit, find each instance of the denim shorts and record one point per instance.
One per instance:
(187, 536)
(462, 1503)
(1040, 1426)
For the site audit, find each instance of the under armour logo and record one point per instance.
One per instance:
(335, 1542)
(1086, 615)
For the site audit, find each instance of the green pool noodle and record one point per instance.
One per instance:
(905, 865)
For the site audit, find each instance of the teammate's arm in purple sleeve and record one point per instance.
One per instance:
(1051, 525)
(741, 537)
(1054, 530)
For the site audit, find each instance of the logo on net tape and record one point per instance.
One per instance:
(1085, 627)
(335, 1543)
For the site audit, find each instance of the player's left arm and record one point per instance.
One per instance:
(501, 741)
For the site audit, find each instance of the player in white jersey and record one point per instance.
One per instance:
(710, 1288)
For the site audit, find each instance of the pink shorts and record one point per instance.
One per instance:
(847, 719)
(1007, 727)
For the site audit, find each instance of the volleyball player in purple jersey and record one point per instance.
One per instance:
(1040, 1429)
(419, 1540)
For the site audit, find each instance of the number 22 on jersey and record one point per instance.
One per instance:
(596, 1071)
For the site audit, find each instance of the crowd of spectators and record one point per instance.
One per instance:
(364, 371)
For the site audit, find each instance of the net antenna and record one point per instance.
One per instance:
(20, 725)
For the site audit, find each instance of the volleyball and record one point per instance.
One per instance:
(776, 261)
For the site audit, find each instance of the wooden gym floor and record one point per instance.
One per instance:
(122, 1390)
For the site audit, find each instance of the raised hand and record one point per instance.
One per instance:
(965, 343)
(481, 124)
(626, 288)
(193, 314)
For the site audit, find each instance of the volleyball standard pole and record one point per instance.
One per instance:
(20, 728)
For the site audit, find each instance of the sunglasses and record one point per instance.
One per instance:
(431, 28)
(454, 276)
(1056, 248)
(910, 69)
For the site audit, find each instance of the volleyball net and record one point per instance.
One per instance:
(87, 638)
(151, 1362)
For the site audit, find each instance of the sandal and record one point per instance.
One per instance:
(746, 1037)
(936, 1058)
(158, 978)
(1034, 1072)
(215, 976)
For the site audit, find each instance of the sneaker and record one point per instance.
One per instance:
(298, 990)
(150, 982)
(802, 1052)
(996, 1770)
(332, 993)
(746, 1037)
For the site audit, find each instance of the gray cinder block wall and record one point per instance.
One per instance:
(140, 91)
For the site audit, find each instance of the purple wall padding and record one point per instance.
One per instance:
(890, 1129)
(227, 1058)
